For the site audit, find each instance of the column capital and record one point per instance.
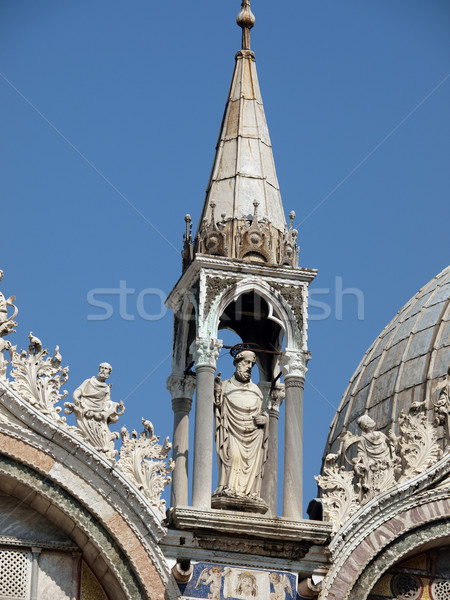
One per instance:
(276, 397)
(206, 352)
(181, 385)
(293, 363)
(181, 404)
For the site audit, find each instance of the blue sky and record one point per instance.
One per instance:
(110, 115)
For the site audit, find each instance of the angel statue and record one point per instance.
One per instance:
(376, 464)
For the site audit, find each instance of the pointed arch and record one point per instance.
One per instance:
(279, 309)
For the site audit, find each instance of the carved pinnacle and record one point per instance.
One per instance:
(245, 20)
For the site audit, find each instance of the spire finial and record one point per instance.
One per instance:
(246, 20)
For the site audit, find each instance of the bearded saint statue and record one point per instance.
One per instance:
(95, 411)
(241, 432)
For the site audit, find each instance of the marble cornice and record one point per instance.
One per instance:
(237, 267)
(237, 523)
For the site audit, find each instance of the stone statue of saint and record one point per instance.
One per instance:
(95, 392)
(442, 405)
(376, 462)
(95, 411)
(241, 433)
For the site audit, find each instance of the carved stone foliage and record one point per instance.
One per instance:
(417, 444)
(379, 463)
(340, 500)
(144, 461)
(38, 378)
(294, 298)
(206, 352)
(7, 324)
(293, 363)
(214, 288)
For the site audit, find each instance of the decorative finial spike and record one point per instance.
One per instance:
(245, 20)
(291, 219)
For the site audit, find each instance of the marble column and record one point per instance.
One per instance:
(76, 566)
(205, 352)
(294, 370)
(270, 480)
(181, 388)
(35, 573)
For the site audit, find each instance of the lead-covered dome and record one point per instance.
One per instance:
(404, 364)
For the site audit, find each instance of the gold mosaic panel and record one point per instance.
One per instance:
(90, 587)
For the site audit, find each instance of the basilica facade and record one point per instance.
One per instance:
(82, 514)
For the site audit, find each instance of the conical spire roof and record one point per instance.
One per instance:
(244, 170)
(243, 216)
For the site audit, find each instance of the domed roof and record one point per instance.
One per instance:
(402, 366)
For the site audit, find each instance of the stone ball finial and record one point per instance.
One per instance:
(246, 19)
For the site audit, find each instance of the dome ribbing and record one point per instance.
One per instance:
(403, 365)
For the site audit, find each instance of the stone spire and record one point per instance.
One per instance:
(243, 195)
(240, 272)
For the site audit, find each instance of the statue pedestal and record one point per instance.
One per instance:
(241, 538)
(240, 503)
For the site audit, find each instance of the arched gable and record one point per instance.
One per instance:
(384, 531)
(87, 498)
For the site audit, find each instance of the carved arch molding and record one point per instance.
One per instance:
(119, 576)
(411, 543)
(395, 542)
